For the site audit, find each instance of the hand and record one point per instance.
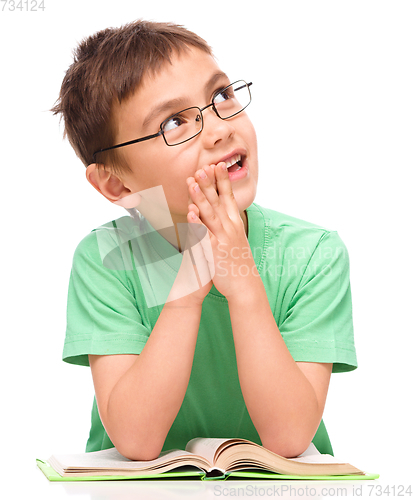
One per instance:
(214, 206)
(193, 281)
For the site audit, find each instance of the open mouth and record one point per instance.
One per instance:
(234, 163)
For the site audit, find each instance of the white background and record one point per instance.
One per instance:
(333, 106)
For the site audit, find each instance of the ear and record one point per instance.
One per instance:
(107, 183)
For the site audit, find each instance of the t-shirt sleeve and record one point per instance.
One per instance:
(318, 325)
(102, 315)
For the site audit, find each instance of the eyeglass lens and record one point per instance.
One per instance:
(188, 123)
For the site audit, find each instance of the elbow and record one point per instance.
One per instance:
(135, 442)
(289, 448)
(138, 451)
(292, 439)
(135, 445)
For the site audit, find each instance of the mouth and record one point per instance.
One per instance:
(234, 163)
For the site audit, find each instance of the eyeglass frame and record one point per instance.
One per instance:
(161, 131)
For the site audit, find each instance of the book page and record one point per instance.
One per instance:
(317, 459)
(206, 447)
(312, 456)
(310, 451)
(112, 459)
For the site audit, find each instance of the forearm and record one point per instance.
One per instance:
(280, 399)
(146, 399)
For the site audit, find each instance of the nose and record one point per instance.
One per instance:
(215, 129)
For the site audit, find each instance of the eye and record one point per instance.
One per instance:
(173, 123)
(223, 95)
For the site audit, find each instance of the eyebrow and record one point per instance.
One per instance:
(180, 102)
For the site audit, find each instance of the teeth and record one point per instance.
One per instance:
(234, 159)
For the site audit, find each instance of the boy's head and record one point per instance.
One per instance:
(108, 67)
(123, 84)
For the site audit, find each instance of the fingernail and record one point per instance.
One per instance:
(202, 174)
(196, 187)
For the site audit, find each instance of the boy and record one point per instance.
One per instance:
(244, 346)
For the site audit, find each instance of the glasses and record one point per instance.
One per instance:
(188, 123)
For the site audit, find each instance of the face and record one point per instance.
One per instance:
(192, 80)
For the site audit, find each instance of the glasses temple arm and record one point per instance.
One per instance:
(126, 144)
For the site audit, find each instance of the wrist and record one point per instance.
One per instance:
(251, 294)
(186, 302)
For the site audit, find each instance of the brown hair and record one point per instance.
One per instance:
(109, 66)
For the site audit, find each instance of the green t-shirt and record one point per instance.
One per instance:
(114, 301)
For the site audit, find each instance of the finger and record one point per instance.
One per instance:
(201, 248)
(198, 245)
(225, 191)
(212, 216)
(194, 208)
(206, 179)
(209, 169)
(195, 227)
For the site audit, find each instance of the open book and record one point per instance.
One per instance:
(205, 457)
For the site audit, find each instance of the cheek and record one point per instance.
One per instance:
(148, 167)
(250, 135)
(168, 167)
